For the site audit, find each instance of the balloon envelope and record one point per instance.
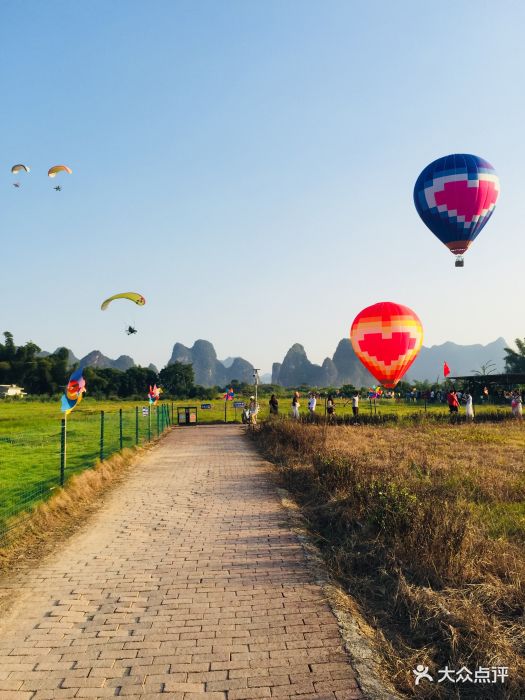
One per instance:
(387, 337)
(132, 296)
(455, 196)
(53, 171)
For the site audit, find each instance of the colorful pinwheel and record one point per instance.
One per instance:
(154, 394)
(74, 391)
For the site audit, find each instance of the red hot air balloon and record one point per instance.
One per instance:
(387, 337)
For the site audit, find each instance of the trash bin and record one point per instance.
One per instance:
(187, 415)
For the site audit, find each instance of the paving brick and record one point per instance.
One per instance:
(187, 582)
(249, 693)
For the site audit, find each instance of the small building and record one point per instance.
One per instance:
(11, 390)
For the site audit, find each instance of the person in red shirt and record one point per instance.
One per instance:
(452, 400)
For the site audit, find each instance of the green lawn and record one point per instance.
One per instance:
(30, 445)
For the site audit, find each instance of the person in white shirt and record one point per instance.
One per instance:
(516, 405)
(295, 405)
(312, 403)
(355, 404)
(469, 408)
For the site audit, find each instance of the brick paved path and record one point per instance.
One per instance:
(188, 583)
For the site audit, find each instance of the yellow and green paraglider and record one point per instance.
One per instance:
(132, 296)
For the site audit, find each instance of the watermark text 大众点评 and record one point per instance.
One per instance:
(483, 674)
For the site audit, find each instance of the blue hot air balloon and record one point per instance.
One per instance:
(455, 196)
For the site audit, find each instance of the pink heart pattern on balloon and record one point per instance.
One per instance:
(462, 199)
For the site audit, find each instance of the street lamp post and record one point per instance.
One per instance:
(256, 382)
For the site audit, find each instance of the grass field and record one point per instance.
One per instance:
(30, 445)
(30, 435)
(424, 524)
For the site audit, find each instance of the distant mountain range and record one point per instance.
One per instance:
(296, 369)
(96, 359)
(209, 371)
(462, 359)
(345, 368)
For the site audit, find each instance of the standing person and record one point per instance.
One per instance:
(452, 400)
(469, 408)
(295, 405)
(312, 403)
(516, 405)
(355, 405)
(330, 408)
(254, 410)
(274, 405)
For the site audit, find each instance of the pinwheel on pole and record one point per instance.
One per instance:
(72, 397)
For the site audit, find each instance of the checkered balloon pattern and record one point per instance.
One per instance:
(455, 196)
(387, 337)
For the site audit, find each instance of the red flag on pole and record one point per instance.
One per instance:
(446, 369)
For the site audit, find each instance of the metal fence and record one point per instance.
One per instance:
(35, 462)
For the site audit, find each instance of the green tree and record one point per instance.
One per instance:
(515, 361)
(136, 381)
(177, 379)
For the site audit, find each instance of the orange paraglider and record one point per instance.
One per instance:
(55, 169)
(387, 338)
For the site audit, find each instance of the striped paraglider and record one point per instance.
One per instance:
(455, 196)
(387, 338)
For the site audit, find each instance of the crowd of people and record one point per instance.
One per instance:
(453, 398)
(313, 401)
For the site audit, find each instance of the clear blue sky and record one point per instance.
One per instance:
(249, 166)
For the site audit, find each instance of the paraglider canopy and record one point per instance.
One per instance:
(132, 296)
(55, 169)
(17, 168)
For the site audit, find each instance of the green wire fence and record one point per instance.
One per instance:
(34, 463)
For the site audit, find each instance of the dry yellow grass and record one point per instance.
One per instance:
(419, 523)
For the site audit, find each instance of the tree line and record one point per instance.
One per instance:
(48, 375)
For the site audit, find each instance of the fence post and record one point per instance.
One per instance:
(225, 404)
(62, 451)
(136, 425)
(172, 414)
(150, 409)
(158, 419)
(101, 436)
(121, 437)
